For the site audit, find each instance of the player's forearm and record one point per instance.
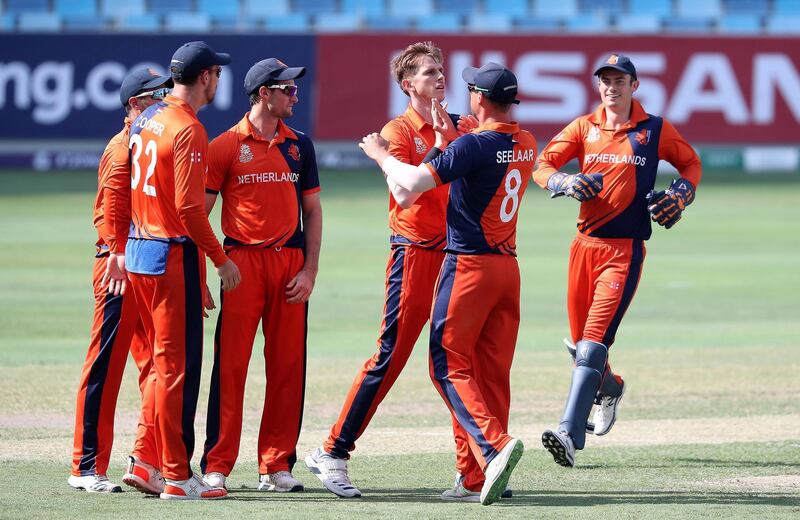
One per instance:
(543, 173)
(199, 230)
(312, 229)
(116, 218)
(413, 178)
(404, 198)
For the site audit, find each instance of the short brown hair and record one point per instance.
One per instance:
(406, 64)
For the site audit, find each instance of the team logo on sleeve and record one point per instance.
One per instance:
(643, 137)
(294, 152)
(245, 154)
(593, 136)
(420, 144)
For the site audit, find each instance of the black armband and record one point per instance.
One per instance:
(432, 154)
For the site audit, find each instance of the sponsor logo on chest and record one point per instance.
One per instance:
(593, 135)
(245, 154)
(420, 145)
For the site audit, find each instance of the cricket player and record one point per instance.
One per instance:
(417, 223)
(165, 254)
(116, 328)
(267, 175)
(618, 148)
(475, 315)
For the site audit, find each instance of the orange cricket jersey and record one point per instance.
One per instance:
(169, 147)
(262, 183)
(112, 206)
(628, 159)
(410, 137)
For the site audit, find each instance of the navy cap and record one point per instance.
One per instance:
(141, 80)
(271, 69)
(618, 62)
(192, 58)
(494, 81)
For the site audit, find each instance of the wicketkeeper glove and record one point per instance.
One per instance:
(579, 186)
(666, 207)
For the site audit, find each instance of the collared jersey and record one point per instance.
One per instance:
(112, 206)
(628, 159)
(423, 224)
(169, 147)
(489, 170)
(262, 183)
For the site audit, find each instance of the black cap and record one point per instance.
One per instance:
(618, 62)
(494, 81)
(141, 80)
(192, 58)
(271, 69)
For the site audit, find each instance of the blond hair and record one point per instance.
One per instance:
(405, 64)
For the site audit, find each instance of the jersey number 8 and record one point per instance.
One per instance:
(512, 196)
(136, 145)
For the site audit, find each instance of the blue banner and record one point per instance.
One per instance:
(67, 86)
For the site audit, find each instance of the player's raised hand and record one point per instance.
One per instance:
(375, 147)
(467, 123)
(579, 186)
(208, 302)
(299, 288)
(115, 276)
(442, 123)
(666, 207)
(229, 275)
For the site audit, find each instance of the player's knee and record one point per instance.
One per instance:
(592, 355)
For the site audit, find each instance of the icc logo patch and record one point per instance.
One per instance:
(593, 136)
(643, 137)
(245, 154)
(294, 152)
(420, 144)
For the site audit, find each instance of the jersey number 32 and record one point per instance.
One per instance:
(136, 145)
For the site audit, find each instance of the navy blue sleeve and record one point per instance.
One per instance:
(309, 175)
(459, 159)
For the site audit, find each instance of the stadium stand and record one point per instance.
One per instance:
(441, 23)
(516, 8)
(639, 23)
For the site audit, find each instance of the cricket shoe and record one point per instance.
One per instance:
(332, 472)
(94, 484)
(499, 471)
(560, 446)
(605, 415)
(191, 489)
(459, 493)
(143, 477)
(280, 481)
(507, 492)
(214, 479)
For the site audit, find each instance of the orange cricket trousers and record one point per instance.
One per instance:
(171, 307)
(474, 325)
(260, 297)
(603, 276)
(410, 279)
(116, 330)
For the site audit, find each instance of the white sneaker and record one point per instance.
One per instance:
(507, 492)
(605, 415)
(280, 481)
(191, 489)
(332, 472)
(214, 479)
(499, 471)
(143, 477)
(94, 484)
(560, 446)
(459, 493)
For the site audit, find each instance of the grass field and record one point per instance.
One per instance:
(710, 425)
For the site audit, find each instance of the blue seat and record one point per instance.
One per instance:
(638, 23)
(388, 23)
(288, 23)
(20, 6)
(601, 6)
(692, 25)
(171, 6)
(698, 9)
(550, 9)
(537, 25)
(441, 23)
(75, 7)
(338, 22)
(790, 7)
(315, 6)
(148, 22)
(82, 23)
(462, 7)
(223, 9)
(364, 7)
(7, 22)
(757, 7)
(783, 24)
(588, 23)
(187, 22)
(117, 9)
(410, 8)
(740, 24)
(39, 22)
(662, 8)
(261, 10)
(516, 8)
(489, 23)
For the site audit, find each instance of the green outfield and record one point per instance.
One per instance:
(710, 349)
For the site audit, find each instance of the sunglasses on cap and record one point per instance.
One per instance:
(289, 90)
(475, 88)
(157, 94)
